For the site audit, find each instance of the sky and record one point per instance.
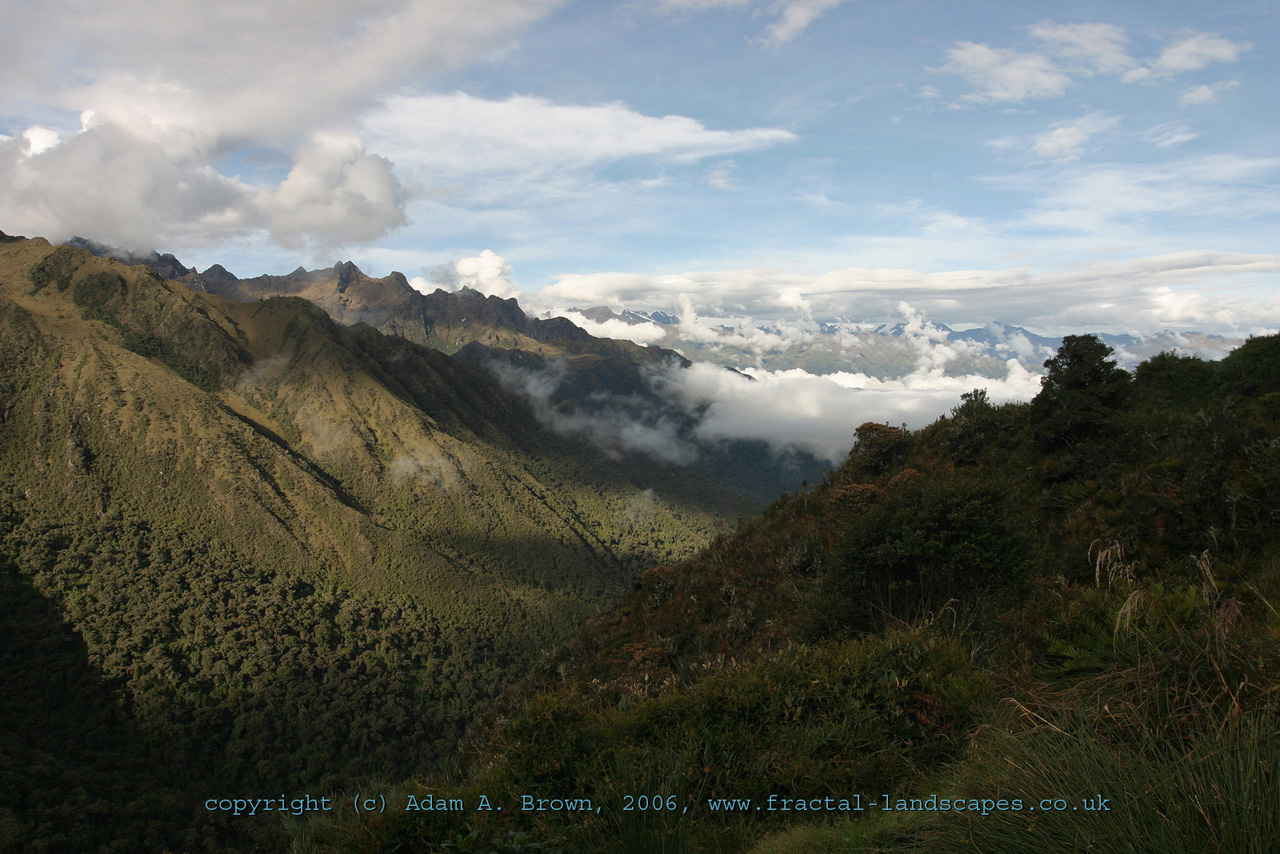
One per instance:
(1107, 166)
(1094, 166)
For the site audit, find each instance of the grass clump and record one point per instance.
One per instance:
(1150, 723)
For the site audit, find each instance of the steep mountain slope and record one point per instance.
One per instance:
(609, 392)
(1072, 598)
(294, 552)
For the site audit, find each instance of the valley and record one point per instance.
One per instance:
(252, 555)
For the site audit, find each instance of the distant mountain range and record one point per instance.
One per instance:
(885, 351)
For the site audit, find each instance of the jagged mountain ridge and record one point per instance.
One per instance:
(601, 389)
(444, 320)
(889, 350)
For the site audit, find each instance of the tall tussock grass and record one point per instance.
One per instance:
(1160, 731)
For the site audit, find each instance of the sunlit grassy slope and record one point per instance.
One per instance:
(614, 393)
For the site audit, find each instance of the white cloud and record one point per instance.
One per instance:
(171, 106)
(820, 413)
(114, 186)
(615, 424)
(1095, 47)
(1170, 134)
(932, 220)
(1196, 52)
(640, 333)
(1205, 94)
(796, 17)
(40, 139)
(129, 190)
(1063, 143)
(462, 134)
(1067, 140)
(489, 273)
(699, 5)
(820, 200)
(1005, 75)
(334, 194)
(1108, 197)
(1189, 54)
(792, 17)
(720, 176)
(311, 62)
(1112, 295)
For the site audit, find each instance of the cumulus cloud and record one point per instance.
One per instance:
(1091, 47)
(441, 276)
(170, 110)
(489, 273)
(1062, 143)
(1003, 74)
(129, 190)
(1206, 93)
(1067, 140)
(334, 194)
(109, 183)
(1188, 54)
(39, 139)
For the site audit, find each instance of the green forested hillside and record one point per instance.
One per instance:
(598, 390)
(1073, 599)
(262, 552)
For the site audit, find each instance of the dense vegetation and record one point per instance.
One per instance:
(1073, 598)
(249, 551)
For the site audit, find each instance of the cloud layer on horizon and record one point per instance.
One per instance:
(1130, 295)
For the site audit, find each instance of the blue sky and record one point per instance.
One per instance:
(1106, 166)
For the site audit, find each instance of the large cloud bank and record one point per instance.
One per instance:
(789, 409)
(820, 413)
(143, 124)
